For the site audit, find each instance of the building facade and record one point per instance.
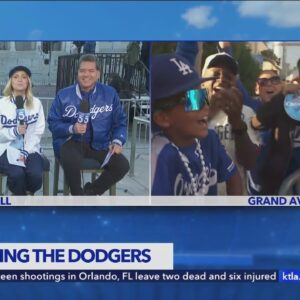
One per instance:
(43, 65)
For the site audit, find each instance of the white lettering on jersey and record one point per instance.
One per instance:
(182, 187)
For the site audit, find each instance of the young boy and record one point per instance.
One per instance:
(187, 158)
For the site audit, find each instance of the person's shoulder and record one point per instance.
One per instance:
(160, 145)
(211, 135)
(105, 88)
(4, 98)
(5, 102)
(249, 110)
(67, 90)
(211, 140)
(36, 101)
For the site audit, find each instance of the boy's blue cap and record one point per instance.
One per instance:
(172, 74)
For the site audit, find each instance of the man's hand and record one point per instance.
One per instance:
(290, 88)
(22, 158)
(230, 101)
(22, 129)
(79, 128)
(115, 148)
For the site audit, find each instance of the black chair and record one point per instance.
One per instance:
(88, 165)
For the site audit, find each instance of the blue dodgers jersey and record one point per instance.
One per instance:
(169, 175)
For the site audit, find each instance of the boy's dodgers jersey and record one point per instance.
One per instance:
(170, 176)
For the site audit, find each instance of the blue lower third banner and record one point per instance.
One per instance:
(57, 276)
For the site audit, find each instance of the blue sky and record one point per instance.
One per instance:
(146, 20)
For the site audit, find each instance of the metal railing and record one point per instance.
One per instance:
(110, 63)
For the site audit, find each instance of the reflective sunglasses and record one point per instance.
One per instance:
(273, 80)
(193, 100)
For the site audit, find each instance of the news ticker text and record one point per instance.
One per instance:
(250, 276)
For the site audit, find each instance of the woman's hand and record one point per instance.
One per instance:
(22, 129)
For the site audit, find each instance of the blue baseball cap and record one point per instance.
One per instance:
(19, 68)
(172, 74)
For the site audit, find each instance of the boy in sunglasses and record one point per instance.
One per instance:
(187, 157)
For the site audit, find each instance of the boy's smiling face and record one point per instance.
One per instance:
(180, 126)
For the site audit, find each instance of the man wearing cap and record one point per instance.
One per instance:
(228, 115)
(100, 136)
(22, 124)
(187, 158)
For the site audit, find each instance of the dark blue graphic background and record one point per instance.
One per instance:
(221, 238)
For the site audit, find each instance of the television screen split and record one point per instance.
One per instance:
(76, 116)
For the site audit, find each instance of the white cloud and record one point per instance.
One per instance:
(35, 34)
(200, 17)
(277, 13)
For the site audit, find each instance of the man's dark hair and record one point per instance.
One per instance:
(89, 58)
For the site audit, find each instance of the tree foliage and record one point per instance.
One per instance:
(163, 47)
(269, 54)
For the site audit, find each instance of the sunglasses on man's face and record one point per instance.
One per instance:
(193, 100)
(265, 81)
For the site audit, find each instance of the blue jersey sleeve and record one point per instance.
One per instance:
(57, 125)
(161, 182)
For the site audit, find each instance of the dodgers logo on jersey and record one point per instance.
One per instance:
(8, 122)
(206, 179)
(71, 111)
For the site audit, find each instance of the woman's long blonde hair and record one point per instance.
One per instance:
(8, 92)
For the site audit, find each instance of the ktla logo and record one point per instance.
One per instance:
(182, 67)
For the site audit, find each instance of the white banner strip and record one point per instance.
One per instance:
(7, 201)
(82, 256)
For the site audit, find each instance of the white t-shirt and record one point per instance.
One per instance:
(222, 127)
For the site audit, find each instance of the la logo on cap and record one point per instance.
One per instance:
(182, 67)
